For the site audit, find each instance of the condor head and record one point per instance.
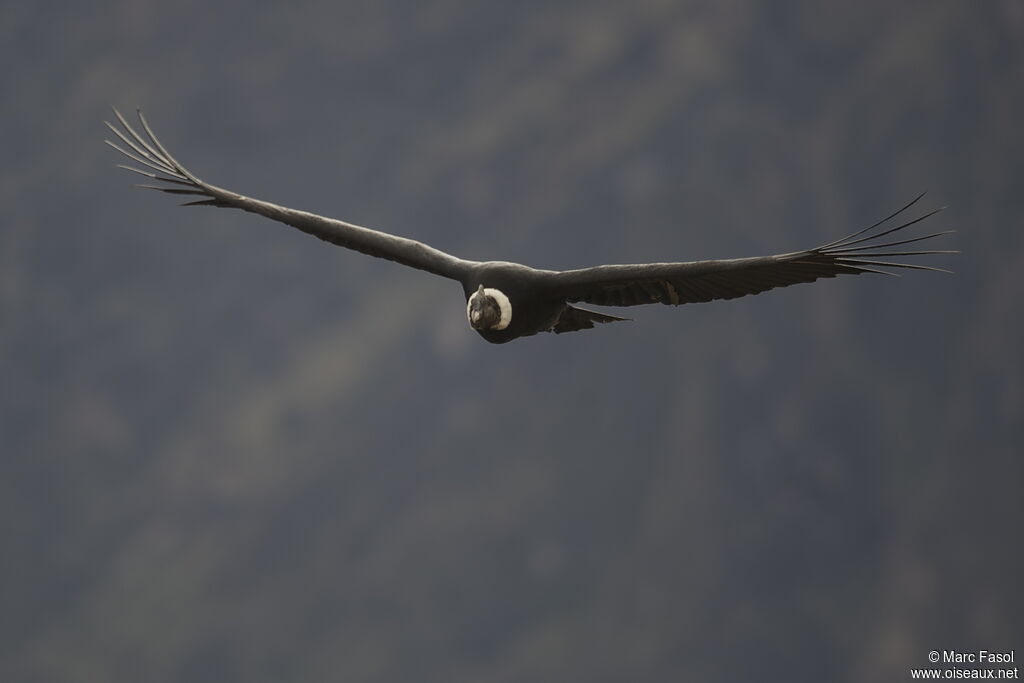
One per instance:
(488, 309)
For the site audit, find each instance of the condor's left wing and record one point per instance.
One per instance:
(701, 281)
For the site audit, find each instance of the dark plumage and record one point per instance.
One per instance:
(510, 300)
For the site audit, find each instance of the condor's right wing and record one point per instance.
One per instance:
(170, 176)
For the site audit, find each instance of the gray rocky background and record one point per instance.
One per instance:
(233, 453)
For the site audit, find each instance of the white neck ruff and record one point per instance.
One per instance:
(504, 306)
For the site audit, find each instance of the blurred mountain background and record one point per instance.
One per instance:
(234, 453)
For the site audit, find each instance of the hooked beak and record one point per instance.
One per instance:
(476, 313)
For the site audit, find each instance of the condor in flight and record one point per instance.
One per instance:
(505, 301)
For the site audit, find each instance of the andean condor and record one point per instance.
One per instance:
(505, 301)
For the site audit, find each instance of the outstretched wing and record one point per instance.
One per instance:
(170, 176)
(700, 281)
